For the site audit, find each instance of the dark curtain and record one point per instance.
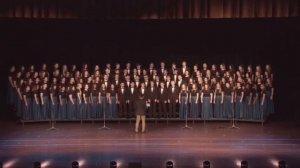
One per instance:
(149, 9)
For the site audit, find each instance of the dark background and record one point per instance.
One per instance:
(232, 41)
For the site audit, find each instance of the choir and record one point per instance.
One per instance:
(179, 92)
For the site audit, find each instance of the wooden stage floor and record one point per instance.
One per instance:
(261, 146)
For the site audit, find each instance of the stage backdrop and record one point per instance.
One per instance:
(149, 9)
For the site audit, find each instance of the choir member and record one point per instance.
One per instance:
(206, 100)
(62, 108)
(54, 102)
(112, 102)
(152, 93)
(183, 100)
(45, 104)
(262, 102)
(131, 95)
(79, 106)
(194, 102)
(71, 102)
(173, 94)
(269, 96)
(26, 104)
(86, 97)
(239, 96)
(228, 100)
(162, 101)
(94, 101)
(103, 101)
(248, 95)
(36, 110)
(121, 100)
(219, 102)
(256, 106)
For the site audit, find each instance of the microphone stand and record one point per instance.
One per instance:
(186, 123)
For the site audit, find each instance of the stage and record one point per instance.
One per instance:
(261, 146)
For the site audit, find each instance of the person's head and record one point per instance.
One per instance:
(218, 86)
(79, 86)
(132, 84)
(141, 97)
(103, 87)
(44, 67)
(227, 85)
(152, 83)
(143, 85)
(162, 65)
(122, 85)
(262, 87)
(183, 87)
(12, 69)
(162, 84)
(62, 89)
(238, 85)
(179, 77)
(112, 86)
(86, 87)
(27, 89)
(194, 87)
(45, 85)
(183, 63)
(204, 65)
(173, 83)
(94, 86)
(206, 87)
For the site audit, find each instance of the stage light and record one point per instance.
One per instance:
(244, 164)
(75, 164)
(37, 165)
(46, 163)
(9, 163)
(169, 164)
(282, 164)
(113, 164)
(206, 164)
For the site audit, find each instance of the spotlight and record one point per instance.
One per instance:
(75, 164)
(244, 164)
(37, 165)
(169, 164)
(282, 164)
(206, 164)
(113, 164)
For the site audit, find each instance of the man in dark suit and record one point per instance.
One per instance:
(152, 99)
(184, 68)
(122, 98)
(162, 100)
(131, 96)
(173, 95)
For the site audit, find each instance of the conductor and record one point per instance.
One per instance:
(140, 110)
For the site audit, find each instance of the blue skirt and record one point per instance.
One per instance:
(248, 108)
(85, 110)
(103, 107)
(269, 104)
(70, 110)
(36, 110)
(228, 107)
(219, 108)
(194, 108)
(239, 113)
(256, 111)
(207, 111)
(10, 94)
(113, 111)
(27, 110)
(94, 107)
(62, 109)
(54, 108)
(263, 111)
(183, 108)
(18, 104)
(45, 108)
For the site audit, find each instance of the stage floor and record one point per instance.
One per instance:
(261, 146)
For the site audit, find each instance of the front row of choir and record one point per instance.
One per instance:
(91, 102)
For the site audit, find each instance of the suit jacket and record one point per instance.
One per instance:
(122, 96)
(152, 94)
(173, 95)
(162, 96)
(131, 96)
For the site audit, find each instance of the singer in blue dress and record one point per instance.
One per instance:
(228, 101)
(112, 102)
(263, 103)
(255, 104)
(194, 102)
(45, 102)
(71, 103)
(206, 100)
(183, 100)
(62, 108)
(36, 108)
(54, 102)
(27, 104)
(219, 102)
(269, 97)
(95, 106)
(85, 103)
(248, 107)
(239, 95)
(103, 101)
